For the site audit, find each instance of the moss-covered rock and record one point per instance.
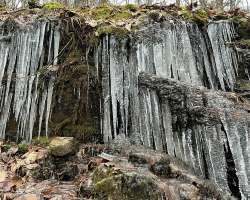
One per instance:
(124, 186)
(243, 26)
(117, 31)
(243, 85)
(162, 168)
(185, 13)
(52, 5)
(5, 147)
(244, 43)
(23, 148)
(41, 141)
(61, 146)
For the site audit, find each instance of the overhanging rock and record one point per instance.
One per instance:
(208, 129)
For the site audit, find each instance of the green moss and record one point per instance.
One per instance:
(154, 15)
(53, 5)
(243, 26)
(85, 131)
(237, 19)
(6, 147)
(243, 85)
(117, 31)
(23, 148)
(131, 7)
(33, 1)
(124, 15)
(41, 141)
(202, 13)
(103, 12)
(245, 43)
(109, 184)
(185, 13)
(101, 173)
(92, 40)
(2, 7)
(200, 17)
(42, 71)
(57, 127)
(73, 55)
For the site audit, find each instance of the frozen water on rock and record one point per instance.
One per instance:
(21, 58)
(180, 51)
(173, 50)
(225, 58)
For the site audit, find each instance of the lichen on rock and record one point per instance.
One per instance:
(61, 146)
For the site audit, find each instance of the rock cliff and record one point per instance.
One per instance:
(156, 76)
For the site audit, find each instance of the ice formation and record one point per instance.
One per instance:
(178, 51)
(23, 96)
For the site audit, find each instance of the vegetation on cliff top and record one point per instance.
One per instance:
(113, 18)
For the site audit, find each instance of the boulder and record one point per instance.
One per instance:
(61, 146)
(124, 185)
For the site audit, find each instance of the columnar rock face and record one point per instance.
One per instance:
(26, 49)
(205, 128)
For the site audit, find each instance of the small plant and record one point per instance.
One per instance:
(41, 141)
(100, 174)
(6, 147)
(23, 148)
(245, 43)
(52, 5)
(202, 13)
(131, 7)
(117, 31)
(185, 13)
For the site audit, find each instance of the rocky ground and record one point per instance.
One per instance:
(58, 171)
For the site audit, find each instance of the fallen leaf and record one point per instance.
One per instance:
(5, 157)
(7, 186)
(12, 151)
(17, 165)
(3, 175)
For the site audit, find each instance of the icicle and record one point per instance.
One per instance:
(56, 44)
(23, 54)
(167, 125)
(41, 110)
(238, 139)
(177, 50)
(49, 99)
(220, 33)
(171, 49)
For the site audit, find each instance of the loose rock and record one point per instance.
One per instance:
(61, 146)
